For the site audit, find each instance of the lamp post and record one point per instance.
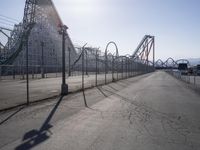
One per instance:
(64, 86)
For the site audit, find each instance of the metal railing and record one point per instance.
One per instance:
(91, 67)
(190, 79)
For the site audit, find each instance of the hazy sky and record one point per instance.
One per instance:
(174, 23)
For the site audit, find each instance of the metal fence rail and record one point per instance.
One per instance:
(40, 60)
(90, 68)
(192, 80)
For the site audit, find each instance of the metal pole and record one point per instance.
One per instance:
(111, 42)
(96, 67)
(69, 70)
(0, 72)
(126, 68)
(131, 67)
(64, 86)
(105, 66)
(83, 51)
(27, 70)
(86, 62)
(117, 67)
(83, 71)
(112, 68)
(153, 52)
(13, 72)
(122, 68)
(42, 67)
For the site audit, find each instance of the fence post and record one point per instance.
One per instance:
(86, 71)
(42, 57)
(131, 63)
(13, 72)
(117, 63)
(126, 67)
(96, 67)
(195, 79)
(69, 58)
(105, 66)
(112, 68)
(83, 51)
(27, 71)
(122, 68)
(189, 78)
(0, 72)
(136, 68)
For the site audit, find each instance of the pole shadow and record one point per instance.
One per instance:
(85, 101)
(35, 137)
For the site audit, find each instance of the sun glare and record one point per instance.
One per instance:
(83, 6)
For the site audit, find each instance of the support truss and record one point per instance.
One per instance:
(145, 47)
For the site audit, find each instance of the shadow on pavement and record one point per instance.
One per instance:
(10, 116)
(102, 91)
(35, 137)
(84, 98)
(113, 88)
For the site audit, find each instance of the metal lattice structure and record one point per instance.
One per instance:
(38, 42)
(39, 28)
(19, 34)
(145, 47)
(170, 63)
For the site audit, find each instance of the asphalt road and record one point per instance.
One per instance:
(149, 112)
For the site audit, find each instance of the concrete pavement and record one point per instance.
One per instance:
(153, 111)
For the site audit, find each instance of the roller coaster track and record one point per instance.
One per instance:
(23, 34)
(144, 48)
(170, 63)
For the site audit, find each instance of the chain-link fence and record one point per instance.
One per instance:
(191, 79)
(88, 67)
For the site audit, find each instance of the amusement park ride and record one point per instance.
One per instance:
(36, 42)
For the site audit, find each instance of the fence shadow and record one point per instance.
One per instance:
(10, 116)
(34, 137)
(103, 93)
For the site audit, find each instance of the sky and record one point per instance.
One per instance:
(174, 23)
